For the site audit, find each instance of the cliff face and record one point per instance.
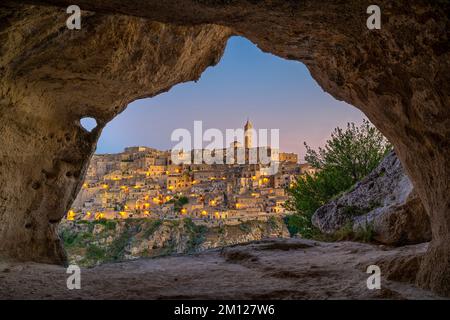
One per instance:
(399, 76)
(91, 243)
(385, 201)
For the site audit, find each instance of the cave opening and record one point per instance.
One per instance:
(397, 76)
(132, 189)
(88, 123)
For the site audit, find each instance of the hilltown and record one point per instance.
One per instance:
(143, 182)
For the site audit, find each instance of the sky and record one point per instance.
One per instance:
(272, 92)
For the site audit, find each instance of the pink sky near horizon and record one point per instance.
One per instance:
(247, 83)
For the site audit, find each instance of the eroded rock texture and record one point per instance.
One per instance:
(268, 269)
(398, 76)
(384, 201)
(51, 78)
(143, 238)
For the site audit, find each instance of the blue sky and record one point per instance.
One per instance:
(247, 83)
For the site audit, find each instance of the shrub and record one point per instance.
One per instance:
(179, 202)
(366, 233)
(95, 253)
(353, 153)
(151, 226)
(344, 234)
(347, 157)
(72, 238)
(196, 233)
(245, 227)
(109, 224)
(117, 248)
(300, 224)
(347, 233)
(273, 223)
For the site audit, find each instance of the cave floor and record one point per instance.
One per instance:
(268, 269)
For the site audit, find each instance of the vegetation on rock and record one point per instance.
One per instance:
(89, 243)
(348, 156)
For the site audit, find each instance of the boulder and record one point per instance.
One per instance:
(384, 201)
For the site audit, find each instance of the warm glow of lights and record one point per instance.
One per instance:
(194, 181)
(265, 180)
(88, 214)
(71, 215)
(168, 198)
(105, 186)
(238, 205)
(123, 214)
(85, 185)
(204, 213)
(254, 178)
(99, 215)
(170, 187)
(183, 211)
(126, 207)
(147, 205)
(212, 202)
(146, 212)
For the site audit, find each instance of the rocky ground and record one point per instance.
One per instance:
(266, 269)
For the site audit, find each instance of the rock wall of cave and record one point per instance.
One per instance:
(51, 77)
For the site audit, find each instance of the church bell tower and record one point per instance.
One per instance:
(248, 134)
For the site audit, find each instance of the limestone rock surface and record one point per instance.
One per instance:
(385, 201)
(96, 242)
(50, 77)
(266, 269)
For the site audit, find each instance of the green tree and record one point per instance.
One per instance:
(353, 152)
(348, 156)
(179, 202)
